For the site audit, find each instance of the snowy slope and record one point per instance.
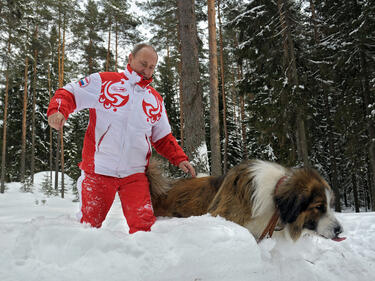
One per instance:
(40, 239)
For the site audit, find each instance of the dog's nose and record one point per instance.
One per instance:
(338, 229)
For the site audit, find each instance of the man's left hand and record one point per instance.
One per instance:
(187, 168)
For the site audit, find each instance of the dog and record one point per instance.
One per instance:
(252, 194)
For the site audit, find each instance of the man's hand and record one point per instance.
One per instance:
(56, 120)
(187, 168)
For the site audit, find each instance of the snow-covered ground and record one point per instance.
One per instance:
(41, 240)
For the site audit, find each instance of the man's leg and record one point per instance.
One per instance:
(97, 195)
(136, 204)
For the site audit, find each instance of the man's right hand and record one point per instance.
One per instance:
(56, 120)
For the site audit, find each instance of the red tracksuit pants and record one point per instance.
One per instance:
(97, 193)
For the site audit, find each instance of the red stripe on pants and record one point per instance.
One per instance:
(98, 193)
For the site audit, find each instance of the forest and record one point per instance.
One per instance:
(290, 81)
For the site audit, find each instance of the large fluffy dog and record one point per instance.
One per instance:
(250, 194)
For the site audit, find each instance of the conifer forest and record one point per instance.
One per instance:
(290, 81)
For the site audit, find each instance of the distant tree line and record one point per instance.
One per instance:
(286, 81)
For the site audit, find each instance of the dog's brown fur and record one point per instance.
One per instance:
(239, 197)
(232, 201)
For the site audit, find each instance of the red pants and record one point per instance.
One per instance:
(98, 192)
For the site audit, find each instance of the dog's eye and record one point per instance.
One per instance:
(320, 208)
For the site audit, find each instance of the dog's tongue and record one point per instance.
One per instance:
(339, 239)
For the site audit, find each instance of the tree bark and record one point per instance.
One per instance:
(24, 115)
(355, 193)
(242, 109)
(191, 89)
(50, 128)
(57, 156)
(32, 168)
(224, 100)
(61, 76)
(108, 49)
(243, 117)
(243, 127)
(180, 90)
(91, 64)
(214, 95)
(116, 44)
(5, 120)
(313, 19)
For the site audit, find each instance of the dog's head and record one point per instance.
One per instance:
(305, 201)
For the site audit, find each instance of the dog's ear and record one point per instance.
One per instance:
(290, 204)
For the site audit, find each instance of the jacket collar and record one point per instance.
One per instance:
(136, 78)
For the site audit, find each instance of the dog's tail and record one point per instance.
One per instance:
(159, 185)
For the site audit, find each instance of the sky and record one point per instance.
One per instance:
(41, 239)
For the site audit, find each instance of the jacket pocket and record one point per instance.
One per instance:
(102, 137)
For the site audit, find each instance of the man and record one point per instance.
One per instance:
(127, 116)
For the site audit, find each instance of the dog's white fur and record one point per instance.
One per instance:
(328, 222)
(267, 174)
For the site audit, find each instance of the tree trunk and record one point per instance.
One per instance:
(91, 65)
(180, 91)
(243, 127)
(62, 129)
(5, 120)
(331, 147)
(368, 187)
(57, 156)
(116, 44)
(345, 196)
(62, 56)
(24, 115)
(301, 138)
(108, 49)
(59, 48)
(191, 89)
(214, 95)
(32, 168)
(355, 193)
(313, 19)
(242, 117)
(62, 162)
(225, 127)
(59, 60)
(50, 128)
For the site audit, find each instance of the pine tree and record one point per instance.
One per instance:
(123, 24)
(88, 37)
(348, 47)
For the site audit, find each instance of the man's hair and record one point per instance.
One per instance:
(140, 46)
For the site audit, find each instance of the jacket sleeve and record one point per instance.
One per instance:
(63, 101)
(76, 96)
(169, 148)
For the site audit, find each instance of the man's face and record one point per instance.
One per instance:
(144, 62)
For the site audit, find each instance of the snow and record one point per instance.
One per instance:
(40, 239)
(201, 159)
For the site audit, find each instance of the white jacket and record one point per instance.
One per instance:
(126, 117)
